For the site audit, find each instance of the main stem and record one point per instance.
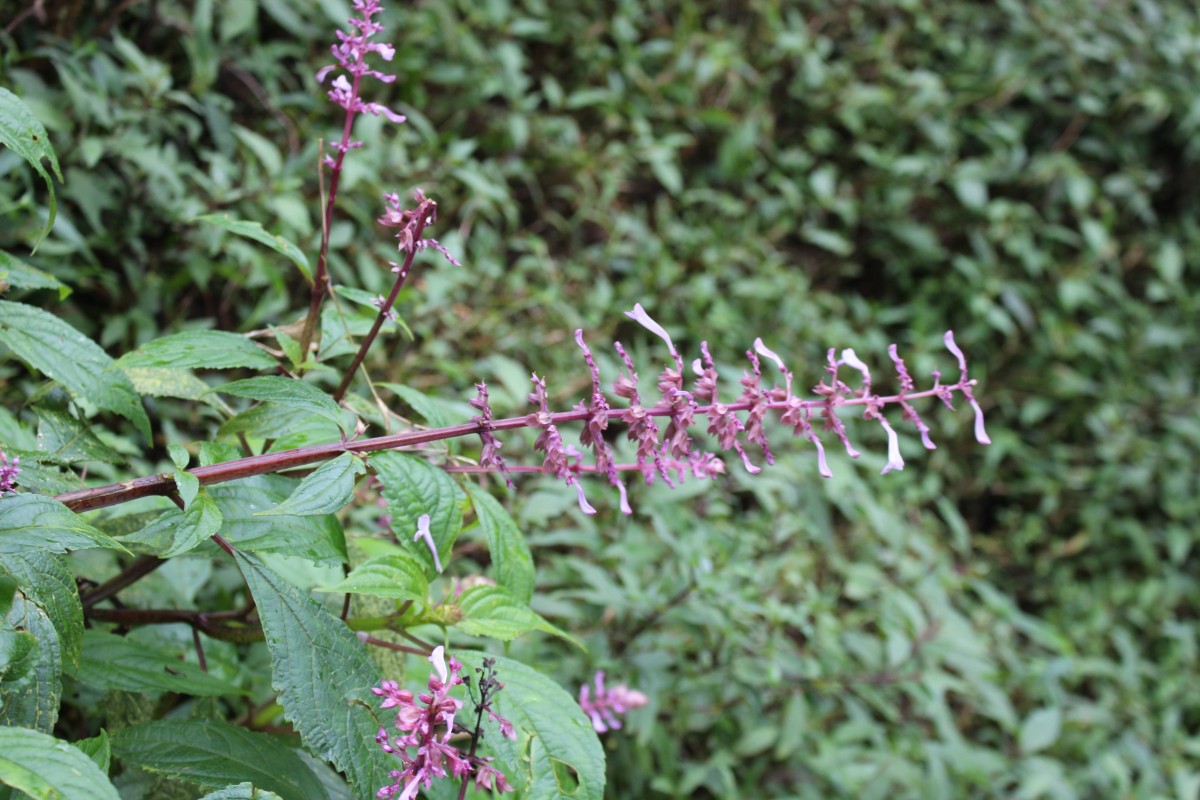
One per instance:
(321, 277)
(164, 483)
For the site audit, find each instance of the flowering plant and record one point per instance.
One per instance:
(291, 452)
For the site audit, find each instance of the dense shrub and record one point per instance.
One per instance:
(1017, 621)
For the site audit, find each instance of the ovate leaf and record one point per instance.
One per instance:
(323, 675)
(1040, 729)
(557, 753)
(114, 662)
(397, 575)
(46, 768)
(286, 392)
(512, 563)
(325, 491)
(199, 350)
(317, 537)
(412, 487)
(216, 754)
(30, 521)
(492, 611)
(195, 524)
(255, 231)
(21, 132)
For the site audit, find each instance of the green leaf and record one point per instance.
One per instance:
(46, 768)
(242, 791)
(199, 350)
(45, 579)
(323, 675)
(412, 487)
(115, 662)
(436, 412)
(319, 538)
(397, 575)
(492, 611)
(167, 382)
(30, 521)
(70, 439)
(195, 524)
(512, 563)
(216, 754)
(34, 700)
(18, 655)
(1040, 730)
(21, 275)
(21, 131)
(61, 353)
(327, 490)
(286, 392)
(98, 748)
(551, 730)
(255, 231)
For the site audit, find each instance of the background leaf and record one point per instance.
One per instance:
(21, 131)
(255, 231)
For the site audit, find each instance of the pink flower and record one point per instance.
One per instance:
(607, 703)
(8, 473)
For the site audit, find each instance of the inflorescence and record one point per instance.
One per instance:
(673, 453)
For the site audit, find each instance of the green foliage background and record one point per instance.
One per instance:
(1016, 621)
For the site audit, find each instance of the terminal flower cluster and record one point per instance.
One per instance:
(426, 723)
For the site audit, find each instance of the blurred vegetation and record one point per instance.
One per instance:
(1016, 621)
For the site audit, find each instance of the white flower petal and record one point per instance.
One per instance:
(895, 460)
(640, 316)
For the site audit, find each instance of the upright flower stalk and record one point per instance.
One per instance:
(427, 723)
(350, 52)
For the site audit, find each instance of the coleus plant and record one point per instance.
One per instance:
(261, 487)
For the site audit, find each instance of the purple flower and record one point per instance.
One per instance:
(350, 53)
(602, 707)
(964, 386)
(8, 473)
(550, 442)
